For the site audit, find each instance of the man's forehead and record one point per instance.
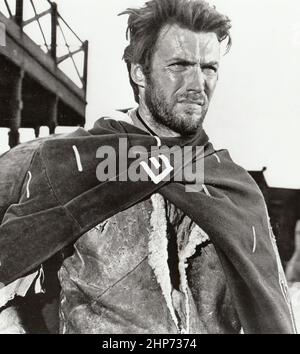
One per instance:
(175, 41)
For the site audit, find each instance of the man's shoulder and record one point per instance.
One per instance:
(116, 116)
(14, 166)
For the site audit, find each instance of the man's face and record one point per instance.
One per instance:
(183, 78)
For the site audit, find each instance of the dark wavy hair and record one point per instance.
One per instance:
(145, 23)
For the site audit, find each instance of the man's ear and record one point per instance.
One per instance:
(137, 75)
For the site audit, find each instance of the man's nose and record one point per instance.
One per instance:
(196, 80)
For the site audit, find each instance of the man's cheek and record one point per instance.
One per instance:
(173, 89)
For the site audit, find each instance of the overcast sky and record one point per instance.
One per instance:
(256, 109)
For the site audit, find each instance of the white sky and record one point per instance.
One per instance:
(256, 109)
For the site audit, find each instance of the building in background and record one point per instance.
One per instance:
(37, 63)
(284, 209)
(43, 82)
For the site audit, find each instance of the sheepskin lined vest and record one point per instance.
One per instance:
(148, 269)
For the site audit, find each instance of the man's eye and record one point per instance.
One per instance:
(178, 67)
(210, 70)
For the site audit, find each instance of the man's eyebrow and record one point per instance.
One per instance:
(211, 63)
(192, 62)
(181, 59)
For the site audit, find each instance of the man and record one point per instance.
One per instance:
(151, 257)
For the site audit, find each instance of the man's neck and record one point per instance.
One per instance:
(159, 129)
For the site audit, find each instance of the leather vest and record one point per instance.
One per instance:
(148, 269)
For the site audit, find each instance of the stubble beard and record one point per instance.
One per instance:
(163, 112)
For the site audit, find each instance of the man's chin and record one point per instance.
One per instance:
(190, 123)
(187, 129)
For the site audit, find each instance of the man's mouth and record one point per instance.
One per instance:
(194, 99)
(192, 102)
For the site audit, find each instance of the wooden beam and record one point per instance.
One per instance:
(16, 106)
(19, 13)
(85, 67)
(37, 17)
(37, 131)
(52, 121)
(8, 8)
(23, 52)
(54, 19)
(69, 55)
